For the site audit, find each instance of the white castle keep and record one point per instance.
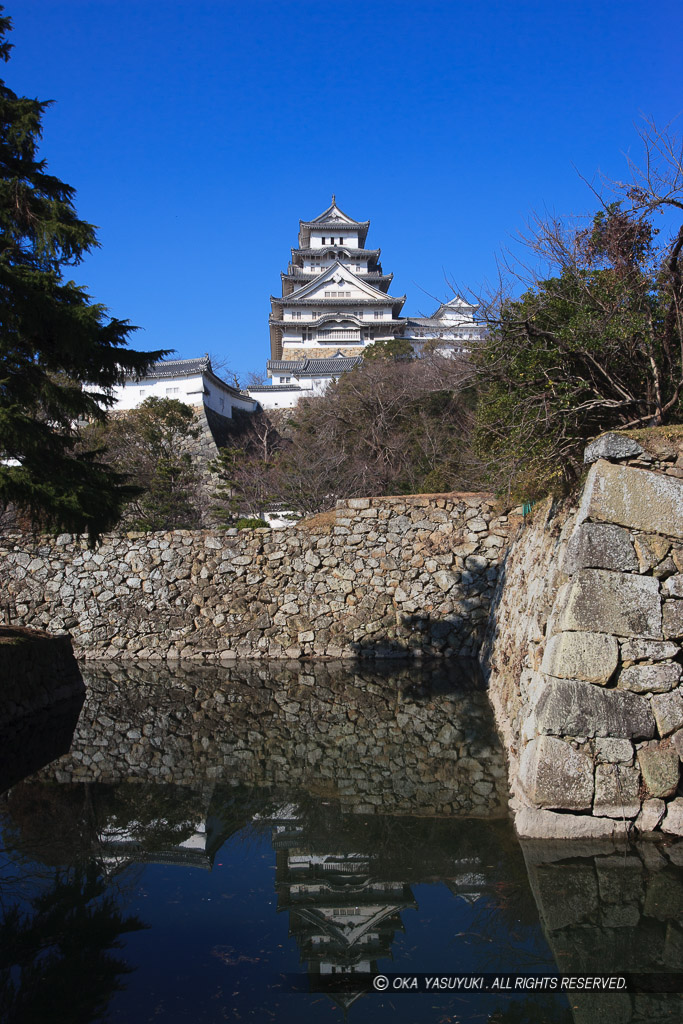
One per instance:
(335, 302)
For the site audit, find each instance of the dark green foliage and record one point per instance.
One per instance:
(250, 524)
(149, 445)
(582, 352)
(54, 340)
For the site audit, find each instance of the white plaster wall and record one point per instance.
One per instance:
(350, 238)
(271, 399)
(192, 390)
(186, 389)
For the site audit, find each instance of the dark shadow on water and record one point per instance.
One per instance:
(33, 741)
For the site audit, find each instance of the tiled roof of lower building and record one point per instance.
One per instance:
(274, 387)
(178, 368)
(310, 367)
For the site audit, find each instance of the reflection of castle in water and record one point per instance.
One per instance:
(344, 909)
(342, 916)
(118, 848)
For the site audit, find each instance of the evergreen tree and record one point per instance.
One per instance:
(60, 352)
(151, 445)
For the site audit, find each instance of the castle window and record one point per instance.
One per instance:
(172, 391)
(378, 314)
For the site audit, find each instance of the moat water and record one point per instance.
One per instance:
(214, 844)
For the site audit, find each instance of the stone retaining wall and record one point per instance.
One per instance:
(375, 577)
(584, 654)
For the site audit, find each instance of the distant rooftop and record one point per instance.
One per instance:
(312, 367)
(176, 368)
(169, 369)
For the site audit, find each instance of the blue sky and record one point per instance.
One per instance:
(198, 133)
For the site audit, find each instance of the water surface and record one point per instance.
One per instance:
(213, 831)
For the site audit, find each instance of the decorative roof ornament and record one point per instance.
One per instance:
(334, 199)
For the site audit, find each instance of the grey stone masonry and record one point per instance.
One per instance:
(374, 577)
(583, 649)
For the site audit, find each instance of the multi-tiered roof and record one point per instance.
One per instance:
(335, 295)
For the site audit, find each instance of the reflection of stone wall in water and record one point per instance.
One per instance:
(584, 654)
(375, 577)
(389, 743)
(610, 910)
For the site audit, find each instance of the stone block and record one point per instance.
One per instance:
(672, 619)
(673, 820)
(616, 791)
(648, 650)
(476, 563)
(673, 587)
(600, 546)
(599, 601)
(537, 823)
(668, 711)
(677, 743)
(575, 708)
(650, 551)
(650, 815)
(660, 769)
(611, 446)
(626, 916)
(445, 579)
(613, 751)
(581, 655)
(675, 854)
(556, 776)
(664, 569)
(650, 678)
(636, 498)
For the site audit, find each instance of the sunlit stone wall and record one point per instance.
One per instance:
(375, 577)
(584, 650)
